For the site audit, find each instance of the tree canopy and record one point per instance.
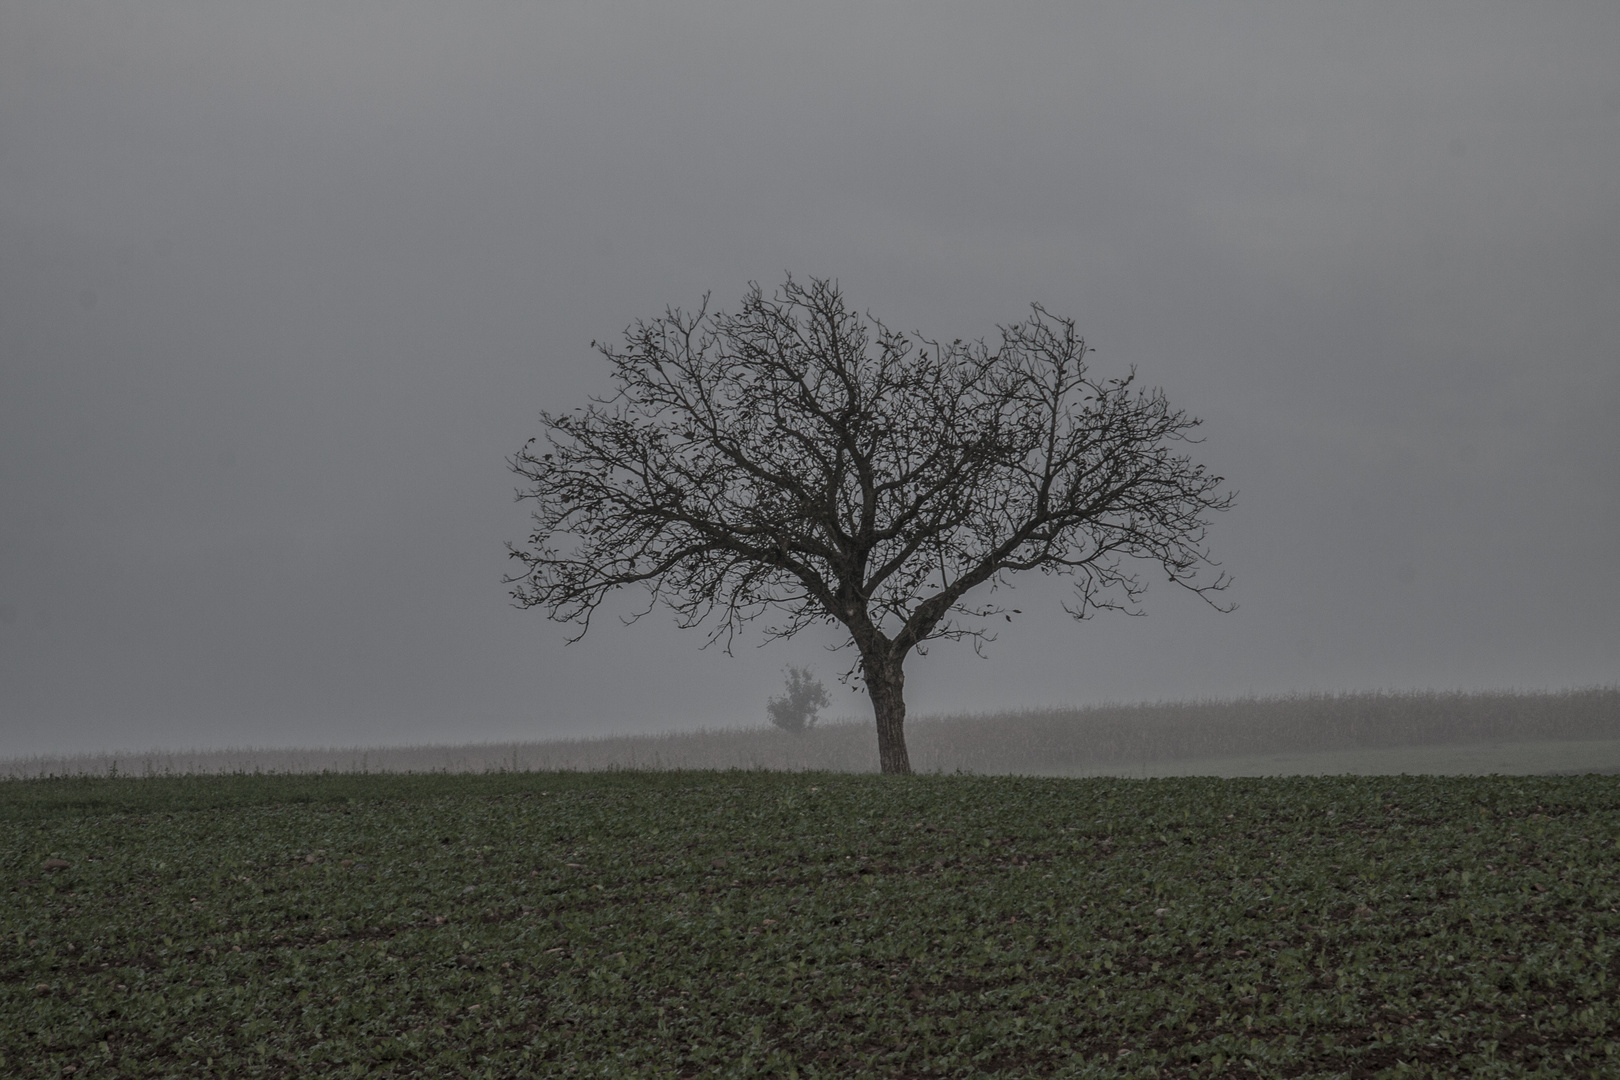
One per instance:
(799, 461)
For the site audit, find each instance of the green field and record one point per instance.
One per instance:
(761, 924)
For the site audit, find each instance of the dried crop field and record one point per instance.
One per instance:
(801, 925)
(1244, 737)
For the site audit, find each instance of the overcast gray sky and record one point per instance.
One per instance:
(281, 286)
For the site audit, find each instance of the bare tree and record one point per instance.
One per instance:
(799, 460)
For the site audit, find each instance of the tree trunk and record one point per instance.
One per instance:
(886, 683)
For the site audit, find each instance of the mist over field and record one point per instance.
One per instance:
(282, 286)
(1417, 734)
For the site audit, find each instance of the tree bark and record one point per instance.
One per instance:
(886, 684)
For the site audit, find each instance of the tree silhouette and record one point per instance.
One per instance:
(798, 460)
(795, 711)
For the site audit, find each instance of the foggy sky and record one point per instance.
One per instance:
(281, 286)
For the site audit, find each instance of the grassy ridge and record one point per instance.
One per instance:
(1481, 759)
(750, 924)
(28, 800)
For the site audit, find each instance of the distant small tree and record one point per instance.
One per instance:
(798, 459)
(796, 710)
